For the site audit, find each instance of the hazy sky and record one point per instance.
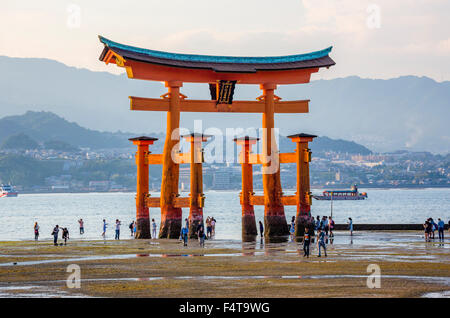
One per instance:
(376, 39)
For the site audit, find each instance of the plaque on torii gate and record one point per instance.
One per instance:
(222, 73)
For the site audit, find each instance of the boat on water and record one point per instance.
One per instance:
(351, 194)
(7, 190)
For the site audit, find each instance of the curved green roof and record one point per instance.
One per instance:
(217, 59)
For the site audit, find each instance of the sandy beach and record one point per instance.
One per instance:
(409, 267)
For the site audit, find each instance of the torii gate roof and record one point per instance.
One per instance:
(163, 66)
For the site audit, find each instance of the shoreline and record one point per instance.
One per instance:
(236, 190)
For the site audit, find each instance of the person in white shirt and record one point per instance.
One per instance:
(117, 229)
(153, 228)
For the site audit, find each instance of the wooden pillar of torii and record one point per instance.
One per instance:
(170, 214)
(304, 198)
(274, 219)
(248, 212)
(142, 212)
(197, 198)
(222, 73)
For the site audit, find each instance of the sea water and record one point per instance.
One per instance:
(17, 215)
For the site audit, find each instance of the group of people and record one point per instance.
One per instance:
(210, 226)
(55, 232)
(321, 242)
(65, 234)
(430, 227)
(133, 228)
(326, 224)
(117, 229)
(199, 231)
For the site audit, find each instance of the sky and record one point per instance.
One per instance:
(370, 39)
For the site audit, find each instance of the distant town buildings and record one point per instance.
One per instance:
(114, 170)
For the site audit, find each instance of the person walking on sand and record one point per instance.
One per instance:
(213, 226)
(317, 223)
(65, 235)
(427, 230)
(55, 235)
(104, 228)
(306, 241)
(131, 227)
(292, 228)
(321, 242)
(433, 227)
(81, 222)
(331, 226)
(201, 234)
(36, 231)
(117, 237)
(208, 227)
(134, 229)
(441, 226)
(261, 229)
(350, 226)
(154, 228)
(184, 235)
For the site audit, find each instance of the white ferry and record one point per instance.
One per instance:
(351, 194)
(7, 191)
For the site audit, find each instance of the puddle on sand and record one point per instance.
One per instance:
(35, 291)
(122, 256)
(424, 279)
(443, 294)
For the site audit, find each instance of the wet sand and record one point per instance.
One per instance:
(225, 268)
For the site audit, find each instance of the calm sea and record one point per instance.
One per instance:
(383, 206)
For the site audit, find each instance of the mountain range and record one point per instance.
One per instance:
(50, 130)
(408, 112)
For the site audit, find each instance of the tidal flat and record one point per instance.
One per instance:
(409, 267)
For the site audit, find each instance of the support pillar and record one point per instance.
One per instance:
(248, 212)
(274, 219)
(304, 198)
(171, 215)
(142, 211)
(196, 182)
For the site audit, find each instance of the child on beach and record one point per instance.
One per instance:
(134, 229)
(201, 235)
(184, 235)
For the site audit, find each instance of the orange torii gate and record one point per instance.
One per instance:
(222, 73)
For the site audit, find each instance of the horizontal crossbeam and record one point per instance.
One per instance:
(258, 159)
(285, 200)
(157, 158)
(179, 202)
(205, 106)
